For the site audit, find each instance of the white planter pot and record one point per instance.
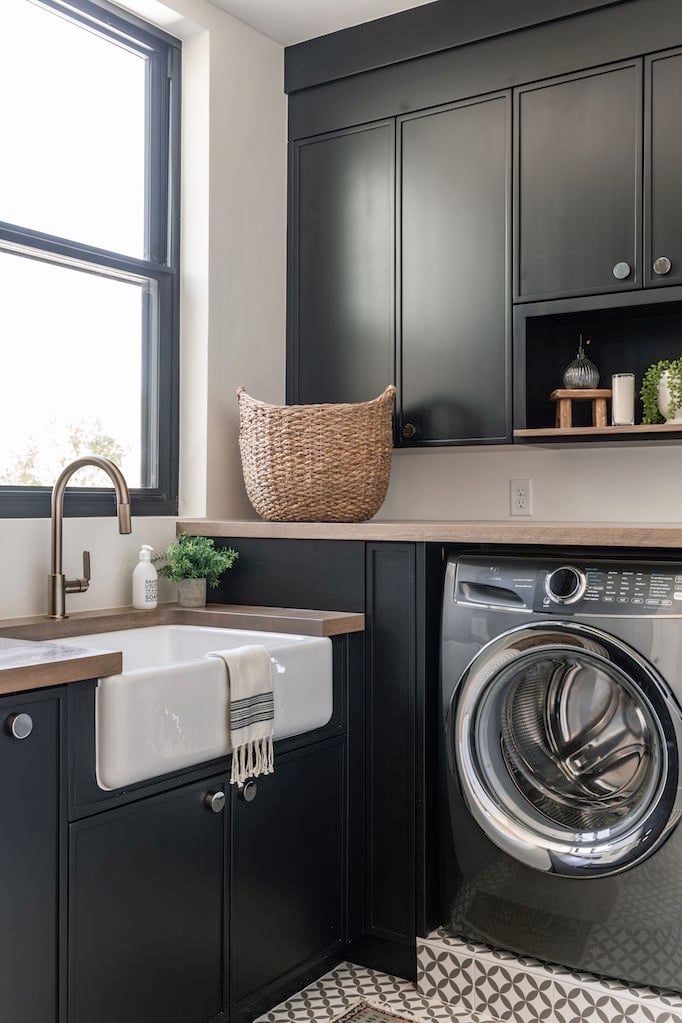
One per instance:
(192, 592)
(664, 402)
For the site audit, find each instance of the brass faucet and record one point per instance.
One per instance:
(57, 583)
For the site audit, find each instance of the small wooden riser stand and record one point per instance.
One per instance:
(564, 408)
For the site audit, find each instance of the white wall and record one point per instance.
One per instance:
(614, 483)
(25, 561)
(233, 300)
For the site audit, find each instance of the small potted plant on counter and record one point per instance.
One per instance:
(662, 392)
(192, 562)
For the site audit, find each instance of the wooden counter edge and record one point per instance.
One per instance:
(299, 621)
(28, 677)
(565, 534)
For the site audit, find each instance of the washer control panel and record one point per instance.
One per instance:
(573, 586)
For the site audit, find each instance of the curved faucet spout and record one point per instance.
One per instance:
(58, 585)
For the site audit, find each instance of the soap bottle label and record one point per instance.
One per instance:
(151, 590)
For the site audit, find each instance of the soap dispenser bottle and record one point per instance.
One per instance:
(145, 581)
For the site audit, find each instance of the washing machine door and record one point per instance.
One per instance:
(566, 745)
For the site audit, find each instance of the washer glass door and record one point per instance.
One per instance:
(566, 748)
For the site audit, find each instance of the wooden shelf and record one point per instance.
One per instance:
(566, 433)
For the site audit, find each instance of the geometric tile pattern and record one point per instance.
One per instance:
(497, 985)
(341, 988)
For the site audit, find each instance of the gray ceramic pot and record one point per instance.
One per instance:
(192, 592)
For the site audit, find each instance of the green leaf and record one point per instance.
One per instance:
(196, 557)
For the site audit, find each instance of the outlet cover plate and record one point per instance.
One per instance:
(521, 497)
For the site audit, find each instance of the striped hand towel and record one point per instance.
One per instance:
(251, 711)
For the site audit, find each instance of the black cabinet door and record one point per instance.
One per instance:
(146, 904)
(287, 891)
(29, 862)
(663, 161)
(341, 265)
(578, 183)
(455, 195)
(390, 742)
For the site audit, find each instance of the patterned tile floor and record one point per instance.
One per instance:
(331, 994)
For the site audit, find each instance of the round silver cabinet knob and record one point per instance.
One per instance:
(20, 726)
(621, 271)
(216, 801)
(249, 791)
(565, 585)
(409, 431)
(662, 266)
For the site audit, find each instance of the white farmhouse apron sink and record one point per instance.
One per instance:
(168, 709)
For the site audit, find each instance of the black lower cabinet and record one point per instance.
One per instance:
(29, 859)
(390, 926)
(146, 911)
(401, 685)
(288, 891)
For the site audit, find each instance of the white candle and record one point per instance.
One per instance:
(623, 399)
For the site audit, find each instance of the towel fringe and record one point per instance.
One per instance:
(252, 759)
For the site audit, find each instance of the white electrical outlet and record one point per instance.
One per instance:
(521, 497)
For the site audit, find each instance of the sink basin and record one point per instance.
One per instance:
(168, 709)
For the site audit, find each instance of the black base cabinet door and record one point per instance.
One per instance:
(146, 895)
(288, 898)
(578, 188)
(29, 861)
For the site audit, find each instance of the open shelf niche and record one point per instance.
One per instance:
(625, 338)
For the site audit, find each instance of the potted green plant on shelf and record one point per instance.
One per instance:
(193, 562)
(662, 392)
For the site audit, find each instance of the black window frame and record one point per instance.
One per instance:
(160, 266)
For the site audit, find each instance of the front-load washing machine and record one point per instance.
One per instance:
(561, 739)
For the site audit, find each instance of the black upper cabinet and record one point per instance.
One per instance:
(578, 184)
(454, 258)
(29, 861)
(663, 169)
(341, 265)
(288, 870)
(146, 911)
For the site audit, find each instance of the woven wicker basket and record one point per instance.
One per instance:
(316, 463)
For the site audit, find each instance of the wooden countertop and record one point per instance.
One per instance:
(29, 661)
(567, 534)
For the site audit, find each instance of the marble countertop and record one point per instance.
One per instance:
(27, 664)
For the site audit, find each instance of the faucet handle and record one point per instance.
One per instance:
(80, 585)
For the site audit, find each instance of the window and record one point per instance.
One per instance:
(89, 242)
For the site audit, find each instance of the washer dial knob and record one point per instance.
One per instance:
(566, 584)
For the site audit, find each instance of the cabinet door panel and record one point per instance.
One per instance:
(343, 211)
(663, 209)
(146, 911)
(288, 869)
(390, 737)
(454, 255)
(29, 863)
(578, 183)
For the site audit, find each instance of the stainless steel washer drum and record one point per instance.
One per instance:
(566, 743)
